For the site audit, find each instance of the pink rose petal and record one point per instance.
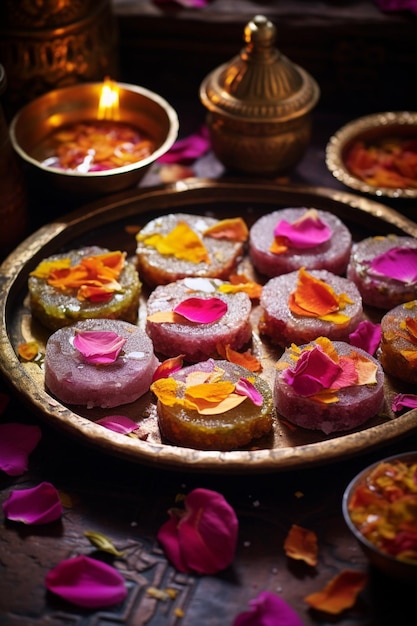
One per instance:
(366, 336)
(187, 150)
(245, 388)
(404, 401)
(313, 372)
(17, 441)
(118, 424)
(35, 506)
(397, 5)
(202, 310)
(87, 582)
(99, 347)
(268, 609)
(306, 232)
(203, 537)
(398, 263)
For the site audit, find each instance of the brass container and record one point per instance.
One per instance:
(45, 45)
(259, 106)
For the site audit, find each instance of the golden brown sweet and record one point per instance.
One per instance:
(172, 247)
(90, 282)
(398, 349)
(213, 405)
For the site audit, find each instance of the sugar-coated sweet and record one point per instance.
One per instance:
(73, 379)
(398, 348)
(328, 386)
(331, 254)
(284, 325)
(193, 411)
(395, 284)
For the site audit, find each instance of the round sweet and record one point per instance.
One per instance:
(398, 348)
(379, 290)
(228, 430)
(157, 268)
(56, 308)
(73, 380)
(354, 405)
(197, 341)
(332, 255)
(284, 327)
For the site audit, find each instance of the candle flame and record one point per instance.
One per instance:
(108, 108)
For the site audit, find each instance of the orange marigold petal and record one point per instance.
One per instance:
(340, 593)
(166, 390)
(279, 245)
(313, 297)
(301, 544)
(44, 269)
(233, 229)
(245, 359)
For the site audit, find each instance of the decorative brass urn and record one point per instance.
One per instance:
(259, 106)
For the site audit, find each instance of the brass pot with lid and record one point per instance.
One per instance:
(259, 106)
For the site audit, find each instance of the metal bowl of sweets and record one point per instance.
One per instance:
(94, 138)
(380, 509)
(377, 154)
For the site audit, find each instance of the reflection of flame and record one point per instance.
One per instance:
(108, 108)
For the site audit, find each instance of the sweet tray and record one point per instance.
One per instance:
(111, 222)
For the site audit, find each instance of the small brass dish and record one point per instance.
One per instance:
(373, 130)
(404, 570)
(143, 109)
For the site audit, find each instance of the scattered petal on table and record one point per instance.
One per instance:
(340, 593)
(201, 538)
(301, 544)
(87, 582)
(268, 609)
(17, 441)
(34, 506)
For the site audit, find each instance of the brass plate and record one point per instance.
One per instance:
(107, 222)
(370, 128)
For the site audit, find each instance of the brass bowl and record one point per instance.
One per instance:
(370, 129)
(384, 562)
(138, 106)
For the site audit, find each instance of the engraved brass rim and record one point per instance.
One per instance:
(369, 127)
(110, 216)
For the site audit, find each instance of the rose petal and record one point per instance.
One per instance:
(185, 151)
(313, 372)
(398, 263)
(87, 582)
(118, 424)
(307, 232)
(99, 347)
(267, 609)
(17, 441)
(404, 401)
(397, 5)
(367, 336)
(38, 505)
(202, 310)
(245, 388)
(203, 538)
